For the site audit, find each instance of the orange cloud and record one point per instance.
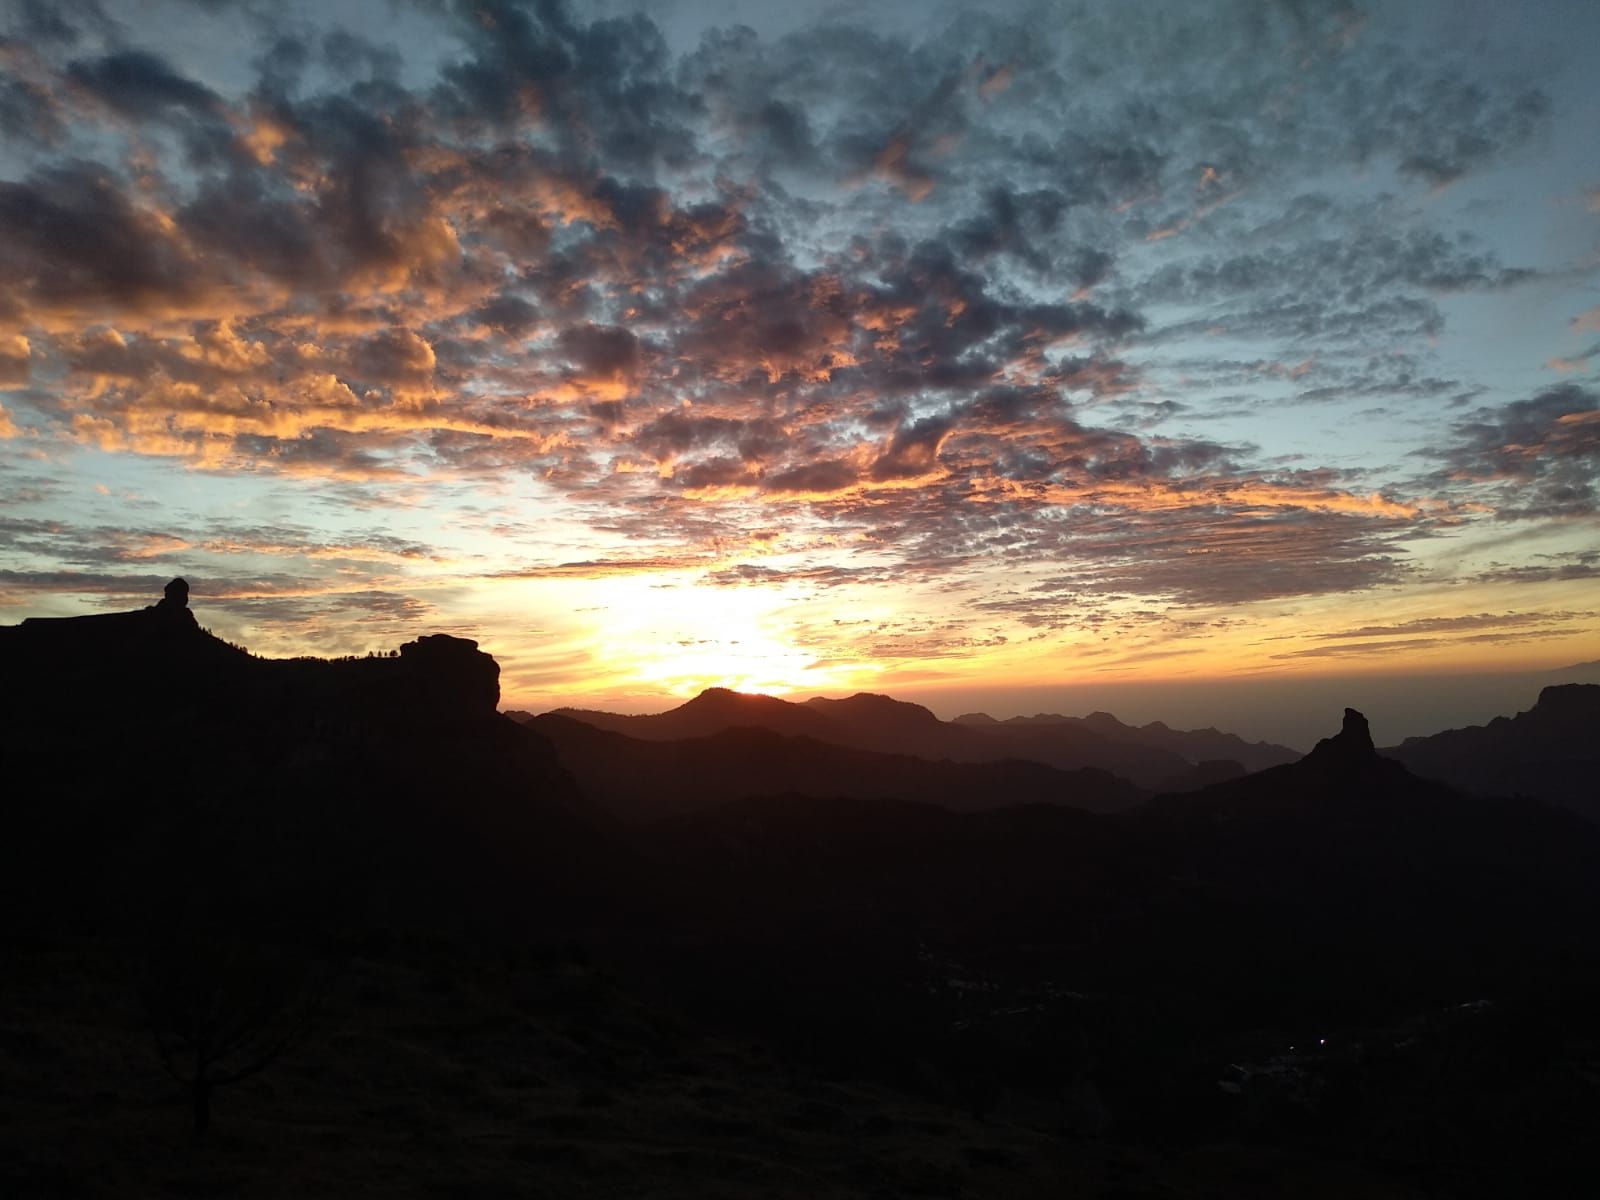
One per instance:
(606, 568)
(1568, 366)
(263, 136)
(15, 354)
(894, 164)
(995, 82)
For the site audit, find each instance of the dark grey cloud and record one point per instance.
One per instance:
(1371, 262)
(825, 475)
(324, 621)
(141, 85)
(1471, 622)
(30, 113)
(913, 449)
(599, 352)
(51, 23)
(1393, 645)
(320, 452)
(1539, 455)
(1210, 557)
(70, 236)
(507, 313)
(820, 576)
(1460, 125)
(84, 583)
(392, 356)
(1350, 294)
(1548, 568)
(600, 88)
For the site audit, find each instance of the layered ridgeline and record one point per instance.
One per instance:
(1341, 858)
(642, 780)
(1195, 746)
(1353, 950)
(1153, 758)
(1551, 752)
(1066, 970)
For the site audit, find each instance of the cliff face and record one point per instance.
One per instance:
(450, 675)
(159, 657)
(137, 742)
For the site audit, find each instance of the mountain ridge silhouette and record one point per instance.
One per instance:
(1153, 757)
(1197, 745)
(643, 780)
(396, 766)
(1548, 751)
(959, 958)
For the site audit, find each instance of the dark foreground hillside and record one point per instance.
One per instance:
(641, 781)
(440, 969)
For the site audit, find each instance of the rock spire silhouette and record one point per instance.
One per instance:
(1350, 749)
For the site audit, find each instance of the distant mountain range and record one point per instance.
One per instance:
(860, 890)
(1195, 746)
(1551, 752)
(1153, 757)
(1327, 885)
(639, 780)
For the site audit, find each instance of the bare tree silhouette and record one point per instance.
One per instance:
(224, 1004)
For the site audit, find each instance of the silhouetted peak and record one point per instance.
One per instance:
(455, 675)
(721, 698)
(975, 718)
(164, 628)
(874, 706)
(434, 647)
(1563, 698)
(1351, 746)
(1355, 732)
(173, 607)
(1038, 719)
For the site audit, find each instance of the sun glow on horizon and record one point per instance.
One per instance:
(653, 639)
(896, 392)
(670, 634)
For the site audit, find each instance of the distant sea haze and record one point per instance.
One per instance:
(1291, 710)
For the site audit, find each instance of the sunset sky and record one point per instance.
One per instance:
(812, 348)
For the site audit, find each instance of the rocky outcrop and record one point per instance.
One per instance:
(1342, 775)
(160, 655)
(174, 598)
(451, 676)
(138, 738)
(1348, 750)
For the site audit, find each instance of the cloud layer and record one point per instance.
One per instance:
(820, 309)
